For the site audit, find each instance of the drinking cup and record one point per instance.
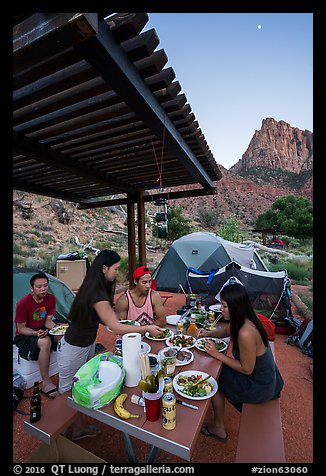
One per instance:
(153, 405)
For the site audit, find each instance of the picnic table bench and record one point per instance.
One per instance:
(56, 417)
(260, 437)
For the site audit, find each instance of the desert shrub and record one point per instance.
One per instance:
(17, 261)
(208, 217)
(299, 271)
(17, 250)
(31, 243)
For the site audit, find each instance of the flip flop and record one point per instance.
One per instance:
(50, 392)
(205, 431)
(87, 435)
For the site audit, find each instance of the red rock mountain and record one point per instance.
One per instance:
(277, 162)
(277, 145)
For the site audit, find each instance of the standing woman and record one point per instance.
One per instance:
(93, 305)
(251, 374)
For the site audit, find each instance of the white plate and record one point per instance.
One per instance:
(144, 347)
(187, 373)
(147, 334)
(173, 319)
(215, 307)
(172, 344)
(109, 373)
(202, 340)
(180, 363)
(130, 322)
(125, 321)
(58, 330)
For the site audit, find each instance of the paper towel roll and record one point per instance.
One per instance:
(131, 346)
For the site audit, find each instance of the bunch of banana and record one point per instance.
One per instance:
(119, 408)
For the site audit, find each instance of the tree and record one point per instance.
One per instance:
(178, 224)
(292, 215)
(231, 230)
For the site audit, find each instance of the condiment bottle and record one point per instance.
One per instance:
(192, 329)
(35, 404)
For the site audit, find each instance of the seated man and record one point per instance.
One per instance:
(141, 303)
(33, 320)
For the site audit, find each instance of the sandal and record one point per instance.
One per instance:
(96, 430)
(50, 392)
(205, 431)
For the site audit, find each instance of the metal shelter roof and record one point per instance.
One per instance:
(97, 113)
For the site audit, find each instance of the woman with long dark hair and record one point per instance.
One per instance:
(93, 305)
(251, 374)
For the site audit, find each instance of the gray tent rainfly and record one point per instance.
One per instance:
(203, 251)
(269, 291)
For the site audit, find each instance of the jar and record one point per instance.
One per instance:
(168, 361)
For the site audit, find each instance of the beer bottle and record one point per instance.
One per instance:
(35, 404)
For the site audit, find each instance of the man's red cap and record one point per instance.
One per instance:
(141, 271)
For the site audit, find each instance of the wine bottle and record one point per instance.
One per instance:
(35, 404)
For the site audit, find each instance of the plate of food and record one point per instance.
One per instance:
(184, 357)
(188, 384)
(126, 321)
(167, 333)
(182, 340)
(173, 319)
(130, 322)
(58, 330)
(215, 307)
(219, 344)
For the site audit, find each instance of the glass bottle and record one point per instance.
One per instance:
(192, 329)
(35, 404)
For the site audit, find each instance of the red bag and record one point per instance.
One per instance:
(268, 325)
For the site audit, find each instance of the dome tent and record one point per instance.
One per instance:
(64, 295)
(205, 252)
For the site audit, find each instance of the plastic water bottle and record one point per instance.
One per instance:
(118, 346)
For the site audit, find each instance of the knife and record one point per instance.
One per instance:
(187, 404)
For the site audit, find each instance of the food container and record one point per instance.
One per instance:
(192, 299)
(168, 361)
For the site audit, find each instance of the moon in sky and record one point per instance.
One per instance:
(259, 27)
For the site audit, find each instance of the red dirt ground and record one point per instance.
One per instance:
(296, 408)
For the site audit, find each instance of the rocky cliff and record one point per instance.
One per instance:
(278, 146)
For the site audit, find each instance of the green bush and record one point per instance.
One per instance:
(298, 271)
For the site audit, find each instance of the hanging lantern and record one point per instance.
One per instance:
(161, 217)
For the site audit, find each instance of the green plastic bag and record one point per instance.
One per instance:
(87, 381)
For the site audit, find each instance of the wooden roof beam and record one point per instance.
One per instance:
(44, 155)
(93, 203)
(109, 59)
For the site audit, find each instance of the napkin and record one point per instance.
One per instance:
(131, 346)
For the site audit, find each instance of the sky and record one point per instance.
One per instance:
(237, 69)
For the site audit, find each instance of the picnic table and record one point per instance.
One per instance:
(180, 441)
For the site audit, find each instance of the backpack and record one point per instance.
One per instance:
(18, 388)
(303, 337)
